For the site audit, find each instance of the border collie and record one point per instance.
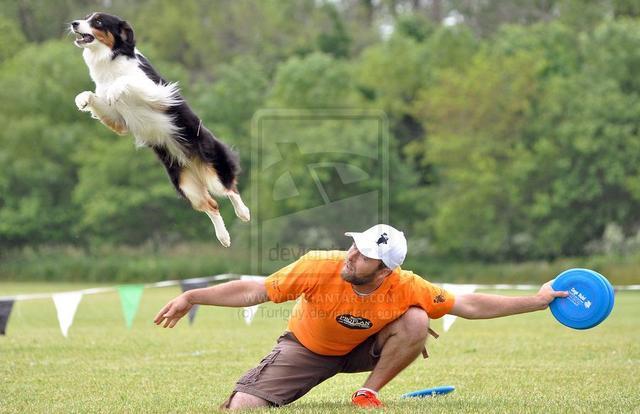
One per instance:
(132, 97)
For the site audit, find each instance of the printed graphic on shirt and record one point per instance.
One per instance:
(440, 298)
(354, 322)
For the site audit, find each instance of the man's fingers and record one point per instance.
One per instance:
(160, 316)
(171, 322)
(171, 313)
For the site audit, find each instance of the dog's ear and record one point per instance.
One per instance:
(126, 33)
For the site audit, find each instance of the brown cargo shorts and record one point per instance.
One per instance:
(290, 370)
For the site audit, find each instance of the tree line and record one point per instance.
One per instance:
(514, 128)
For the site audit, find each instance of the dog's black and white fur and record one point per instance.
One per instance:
(132, 97)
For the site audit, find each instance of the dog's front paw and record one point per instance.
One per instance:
(83, 100)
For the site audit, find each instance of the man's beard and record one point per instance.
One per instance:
(357, 281)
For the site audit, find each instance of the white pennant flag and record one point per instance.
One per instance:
(448, 320)
(250, 311)
(66, 306)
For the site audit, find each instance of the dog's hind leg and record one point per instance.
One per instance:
(215, 186)
(196, 192)
(221, 231)
(242, 211)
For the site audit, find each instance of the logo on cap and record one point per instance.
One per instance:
(383, 239)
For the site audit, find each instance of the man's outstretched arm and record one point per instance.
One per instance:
(482, 306)
(237, 293)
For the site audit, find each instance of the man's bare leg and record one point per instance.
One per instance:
(401, 342)
(241, 400)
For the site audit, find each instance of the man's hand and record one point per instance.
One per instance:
(237, 293)
(547, 294)
(173, 311)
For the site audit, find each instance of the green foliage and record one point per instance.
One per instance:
(392, 74)
(557, 45)
(184, 42)
(582, 167)
(626, 8)
(122, 264)
(43, 80)
(228, 105)
(394, 71)
(534, 144)
(583, 15)
(414, 26)
(12, 39)
(124, 193)
(35, 188)
(38, 20)
(336, 40)
(513, 132)
(451, 48)
(589, 166)
(204, 35)
(40, 134)
(476, 120)
(485, 17)
(610, 54)
(315, 81)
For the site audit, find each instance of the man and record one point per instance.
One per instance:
(358, 311)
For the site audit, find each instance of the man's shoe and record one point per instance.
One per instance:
(365, 399)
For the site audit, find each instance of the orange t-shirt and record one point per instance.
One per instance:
(330, 318)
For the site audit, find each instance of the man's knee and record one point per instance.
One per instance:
(241, 400)
(414, 324)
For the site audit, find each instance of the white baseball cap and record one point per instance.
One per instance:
(382, 242)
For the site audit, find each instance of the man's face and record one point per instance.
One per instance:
(359, 269)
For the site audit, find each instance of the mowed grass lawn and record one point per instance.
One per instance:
(527, 363)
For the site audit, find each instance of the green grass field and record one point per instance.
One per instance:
(521, 364)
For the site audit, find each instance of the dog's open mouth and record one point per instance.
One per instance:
(83, 38)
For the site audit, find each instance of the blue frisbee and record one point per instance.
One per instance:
(590, 299)
(430, 392)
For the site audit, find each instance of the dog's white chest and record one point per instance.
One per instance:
(140, 103)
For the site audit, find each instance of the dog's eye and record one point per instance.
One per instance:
(98, 22)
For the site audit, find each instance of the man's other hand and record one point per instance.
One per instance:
(171, 313)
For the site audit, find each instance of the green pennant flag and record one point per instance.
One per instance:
(130, 298)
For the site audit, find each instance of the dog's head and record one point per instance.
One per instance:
(100, 30)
